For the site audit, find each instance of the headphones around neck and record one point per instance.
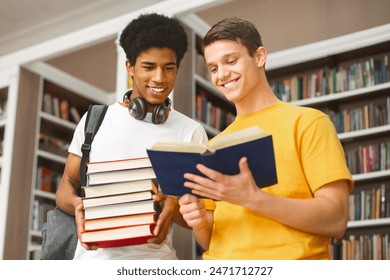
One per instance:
(138, 107)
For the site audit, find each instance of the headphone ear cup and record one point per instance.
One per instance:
(137, 108)
(160, 114)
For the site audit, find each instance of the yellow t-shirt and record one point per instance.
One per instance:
(308, 155)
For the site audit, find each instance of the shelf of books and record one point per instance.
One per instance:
(61, 101)
(352, 86)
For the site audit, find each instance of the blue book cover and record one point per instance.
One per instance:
(170, 166)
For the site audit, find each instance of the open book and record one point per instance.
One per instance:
(171, 160)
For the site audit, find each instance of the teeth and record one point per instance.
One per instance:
(157, 89)
(229, 84)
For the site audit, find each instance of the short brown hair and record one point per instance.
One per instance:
(235, 29)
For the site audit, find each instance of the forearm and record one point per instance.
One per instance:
(67, 198)
(325, 214)
(202, 233)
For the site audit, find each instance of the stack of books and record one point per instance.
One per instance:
(118, 205)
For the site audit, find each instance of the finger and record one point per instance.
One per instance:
(89, 246)
(160, 234)
(159, 197)
(208, 190)
(156, 230)
(187, 198)
(208, 172)
(198, 180)
(245, 170)
(244, 166)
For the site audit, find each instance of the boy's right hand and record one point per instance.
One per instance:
(79, 217)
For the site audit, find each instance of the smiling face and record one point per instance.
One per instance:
(154, 74)
(233, 71)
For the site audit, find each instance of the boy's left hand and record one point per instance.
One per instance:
(168, 205)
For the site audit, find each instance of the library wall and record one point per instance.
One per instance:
(284, 24)
(95, 65)
(280, 23)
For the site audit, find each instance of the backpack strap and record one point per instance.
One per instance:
(94, 119)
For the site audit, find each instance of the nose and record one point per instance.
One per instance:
(223, 73)
(159, 75)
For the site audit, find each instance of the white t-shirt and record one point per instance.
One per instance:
(121, 136)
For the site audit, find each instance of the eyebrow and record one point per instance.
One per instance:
(153, 63)
(226, 56)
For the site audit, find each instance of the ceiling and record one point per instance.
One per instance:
(282, 23)
(25, 22)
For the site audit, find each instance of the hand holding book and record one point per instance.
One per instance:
(171, 161)
(235, 189)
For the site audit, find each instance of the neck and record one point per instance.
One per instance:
(258, 99)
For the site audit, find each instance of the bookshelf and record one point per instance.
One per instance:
(53, 103)
(24, 125)
(351, 84)
(366, 99)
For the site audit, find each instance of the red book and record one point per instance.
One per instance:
(124, 236)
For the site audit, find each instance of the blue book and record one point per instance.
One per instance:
(171, 160)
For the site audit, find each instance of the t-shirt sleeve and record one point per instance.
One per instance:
(199, 135)
(323, 157)
(78, 137)
(209, 204)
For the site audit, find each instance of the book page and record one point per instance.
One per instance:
(187, 147)
(238, 137)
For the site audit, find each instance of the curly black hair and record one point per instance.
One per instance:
(153, 31)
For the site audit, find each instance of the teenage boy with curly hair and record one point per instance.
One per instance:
(154, 45)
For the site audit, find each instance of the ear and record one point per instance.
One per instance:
(129, 68)
(261, 56)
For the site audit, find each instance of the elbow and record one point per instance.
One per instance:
(340, 228)
(339, 233)
(58, 200)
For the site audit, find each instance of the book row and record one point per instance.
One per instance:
(373, 203)
(362, 247)
(47, 180)
(53, 144)
(201, 67)
(210, 114)
(60, 108)
(366, 73)
(369, 158)
(370, 115)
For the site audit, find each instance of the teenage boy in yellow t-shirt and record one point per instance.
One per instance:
(293, 219)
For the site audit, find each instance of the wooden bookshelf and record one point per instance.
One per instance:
(351, 84)
(44, 130)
